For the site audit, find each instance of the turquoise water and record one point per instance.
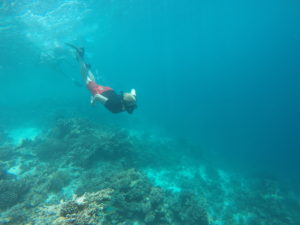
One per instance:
(215, 138)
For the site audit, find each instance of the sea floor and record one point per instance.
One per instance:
(73, 172)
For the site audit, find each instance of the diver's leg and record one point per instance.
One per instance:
(83, 71)
(86, 74)
(91, 75)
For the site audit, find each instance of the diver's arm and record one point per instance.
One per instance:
(98, 98)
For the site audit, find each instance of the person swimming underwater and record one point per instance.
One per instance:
(114, 102)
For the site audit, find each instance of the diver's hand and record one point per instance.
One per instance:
(133, 92)
(93, 100)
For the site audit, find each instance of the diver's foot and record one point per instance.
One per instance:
(80, 52)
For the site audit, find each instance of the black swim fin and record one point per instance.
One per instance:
(79, 51)
(88, 66)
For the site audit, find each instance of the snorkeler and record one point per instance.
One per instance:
(114, 102)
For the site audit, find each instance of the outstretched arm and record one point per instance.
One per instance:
(98, 98)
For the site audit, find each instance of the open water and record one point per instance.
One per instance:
(218, 94)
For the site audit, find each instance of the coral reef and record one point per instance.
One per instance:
(136, 199)
(86, 209)
(58, 180)
(5, 153)
(11, 192)
(188, 210)
(131, 199)
(265, 202)
(78, 144)
(122, 177)
(3, 135)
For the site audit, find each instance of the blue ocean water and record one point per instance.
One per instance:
(222, 78)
